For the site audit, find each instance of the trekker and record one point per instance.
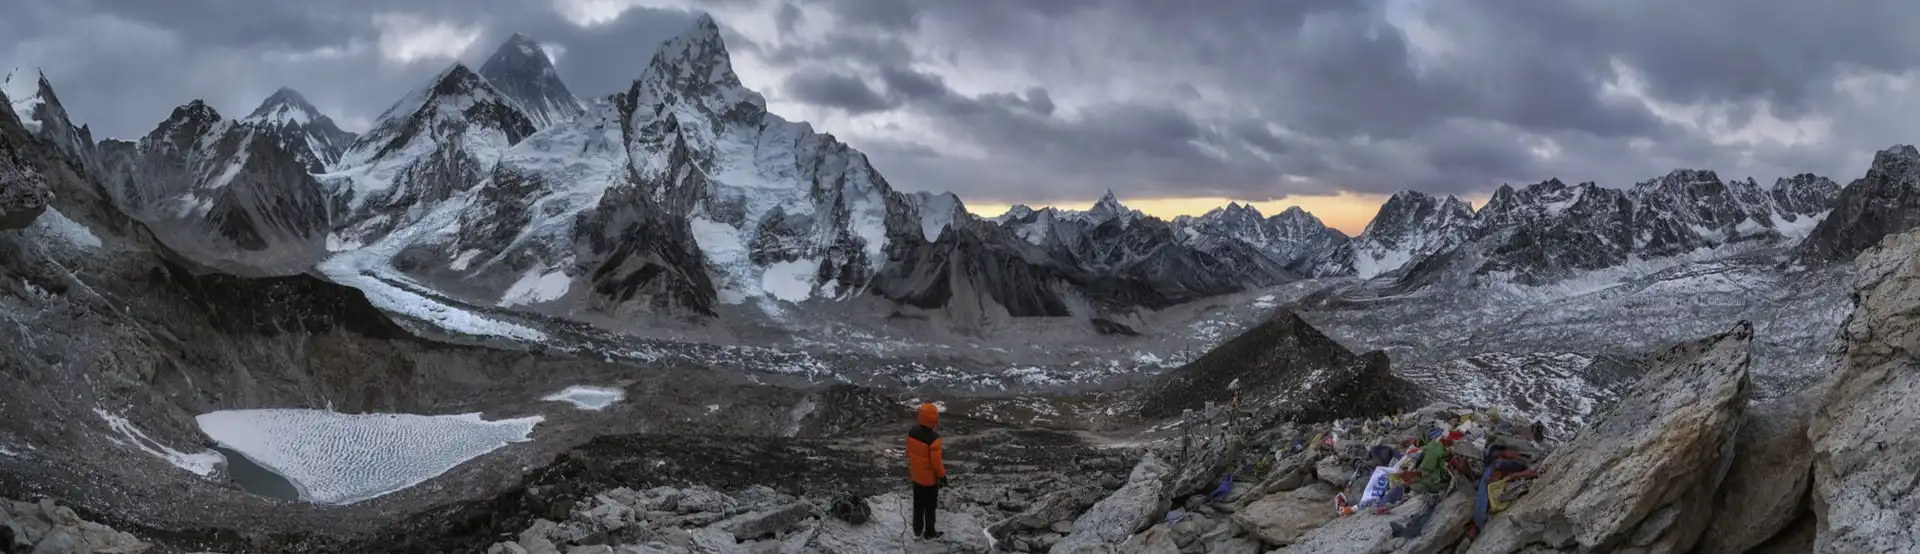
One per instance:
(929, 474)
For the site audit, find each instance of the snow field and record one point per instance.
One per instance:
(201, 464)
(587, 397)
(336, 458)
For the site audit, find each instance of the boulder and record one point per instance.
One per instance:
(701, 499)
(1867, 428)
(1158, 539)
(1642, 479)
(23, 197)
(1117, 517)
(56, 542)
(764, 523)
(1053, 508)
(1280, 519)
(1447, 525)
(1766, 489)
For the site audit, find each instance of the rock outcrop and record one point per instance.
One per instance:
(1868, 426)
(23, 196)
(1114, 519)
(1285, 369)
(1766, 488)
(1884, 202)
(1643, 478)
(49, 528)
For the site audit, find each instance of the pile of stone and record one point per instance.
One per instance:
(758, 519)
(46, 527)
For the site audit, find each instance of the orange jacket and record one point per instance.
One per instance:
(923, 448)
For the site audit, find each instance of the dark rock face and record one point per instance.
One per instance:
(24, 194)
(1804, 195)
(1410, 225)
(301, 130)
(640, 260)
(522, 70)
(223, 194)
(48, 122)
(1288, 371)
(1885, 202)
(975, 273)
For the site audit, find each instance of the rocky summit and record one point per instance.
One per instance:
(505, 318)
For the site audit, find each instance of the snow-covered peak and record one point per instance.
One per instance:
(523, 71)
(457, 96)
(300, 129)
(183, 128)
(1297, 222)
(1109, 208)
(284, 107)
(694, 68)
(1017, 211)
(1411, 212)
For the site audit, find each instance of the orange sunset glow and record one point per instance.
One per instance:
(1347, 212)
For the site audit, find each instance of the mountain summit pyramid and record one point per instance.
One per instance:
(522, 70)
(300, 129)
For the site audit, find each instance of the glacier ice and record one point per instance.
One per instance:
(587, 397)
(339, 458)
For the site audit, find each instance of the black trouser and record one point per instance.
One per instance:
(925, 500)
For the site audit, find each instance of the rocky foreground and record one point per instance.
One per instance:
(1684, 462)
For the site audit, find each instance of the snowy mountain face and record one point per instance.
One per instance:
(1886, 201)
(1409, 226)
(1687, 210)
(682, 192)
(522, 71)
(1551, 229)
(1804, 195)
(1294, 240)
(439, 141)
(222, 192)
(300, 129)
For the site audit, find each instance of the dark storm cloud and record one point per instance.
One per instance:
(834, 90)
(1023, 101)
(1376, 96)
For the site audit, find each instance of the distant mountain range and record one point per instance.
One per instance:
(683, 197)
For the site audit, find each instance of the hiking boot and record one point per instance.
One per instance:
(933, 536)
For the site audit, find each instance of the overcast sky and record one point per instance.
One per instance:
(1055, 101)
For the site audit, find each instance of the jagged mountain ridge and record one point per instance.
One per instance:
(222, 192)
(736, 206)
(1550, 230)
